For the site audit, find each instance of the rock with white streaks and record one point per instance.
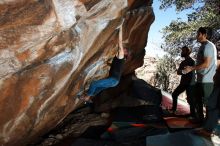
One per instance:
(50, 50)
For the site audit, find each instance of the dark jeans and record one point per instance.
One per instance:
(99, 85)
(191, 99)
(202, 92)
(180, 89)
(212, 109)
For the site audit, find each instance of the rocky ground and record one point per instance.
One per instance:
(75, 126)
(71, 128)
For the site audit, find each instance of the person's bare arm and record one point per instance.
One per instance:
(120, 43)
(204, 65)
(218, 63)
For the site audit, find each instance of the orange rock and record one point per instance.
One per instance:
(52, 50)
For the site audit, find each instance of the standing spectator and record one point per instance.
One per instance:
(213, 109)
(187, 81)
(206, 64)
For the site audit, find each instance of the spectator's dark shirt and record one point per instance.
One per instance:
(187, 78)
(116, 68)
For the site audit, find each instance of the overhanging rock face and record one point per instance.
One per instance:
(50, 50)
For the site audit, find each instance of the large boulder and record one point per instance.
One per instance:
(51, 50)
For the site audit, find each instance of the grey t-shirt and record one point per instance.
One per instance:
(207, 49)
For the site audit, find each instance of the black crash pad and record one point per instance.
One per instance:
(139, 114)
(183, 138)
(146, 92)
(92, 142)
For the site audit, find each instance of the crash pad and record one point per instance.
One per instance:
(135, 122)
(92, 142)
(179, 123)
(138, 114)
(167, 101)
(142, 90)
(183, 138)
(124, 131)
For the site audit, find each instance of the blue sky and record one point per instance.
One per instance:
(162, 19)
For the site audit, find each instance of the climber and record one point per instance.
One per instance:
(114, 74)
(186, 83)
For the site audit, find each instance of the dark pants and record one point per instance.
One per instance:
(212, 110)
(202, 92)
(191, 99)
(180, 89)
